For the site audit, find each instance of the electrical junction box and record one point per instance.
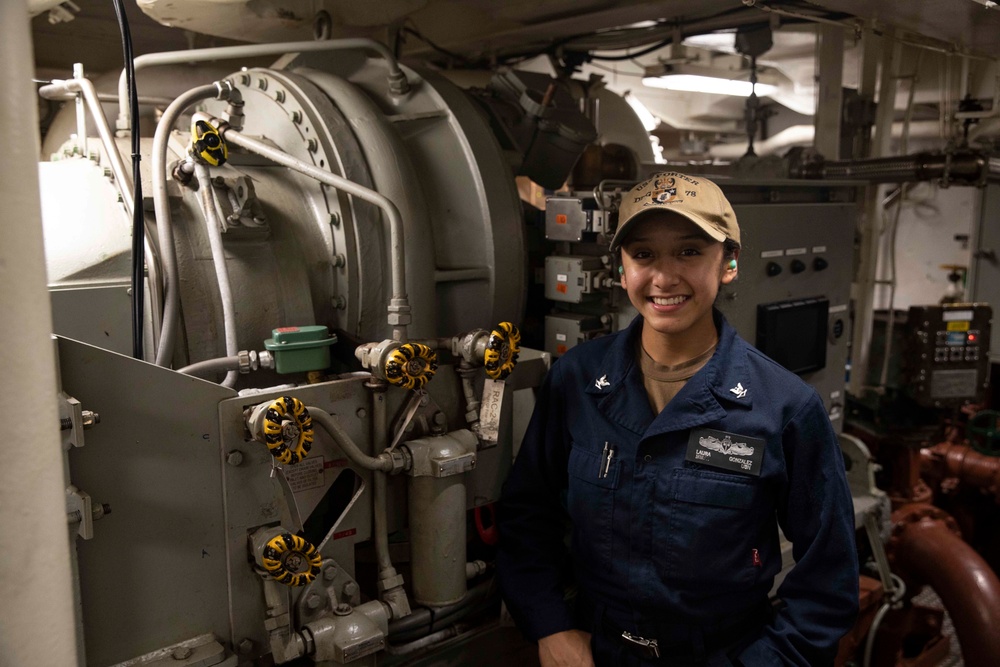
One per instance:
(568, 218)
(566, 330)
(569, 278)
(301, 349)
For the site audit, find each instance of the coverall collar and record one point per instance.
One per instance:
(722, 384)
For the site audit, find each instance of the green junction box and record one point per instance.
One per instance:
(301, 349)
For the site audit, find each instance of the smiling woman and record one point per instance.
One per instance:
(674, 451)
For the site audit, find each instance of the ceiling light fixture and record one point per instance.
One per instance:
(692, 69)
(699, 83)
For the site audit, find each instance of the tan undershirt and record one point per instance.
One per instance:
(664, 382)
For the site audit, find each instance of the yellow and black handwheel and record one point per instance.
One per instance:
(291, 560)
(288, 430)
(411, 366)
(207, 144)
(501, 351)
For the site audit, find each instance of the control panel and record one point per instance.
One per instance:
(946, 354)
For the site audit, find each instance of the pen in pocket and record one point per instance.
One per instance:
(606, 457)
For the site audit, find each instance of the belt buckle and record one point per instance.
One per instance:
(649, 644)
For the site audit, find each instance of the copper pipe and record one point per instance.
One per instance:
(927, 549)
(964, 463)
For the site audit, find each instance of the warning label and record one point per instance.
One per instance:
(305, 475)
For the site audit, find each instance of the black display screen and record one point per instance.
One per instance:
(793, 333)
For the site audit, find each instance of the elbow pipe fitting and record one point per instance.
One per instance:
(962, 462)
(926, 548)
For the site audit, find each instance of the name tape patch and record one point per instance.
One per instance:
(728, 451)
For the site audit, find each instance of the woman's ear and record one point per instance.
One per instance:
(731, 268)
(621, 275)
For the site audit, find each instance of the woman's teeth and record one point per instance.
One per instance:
(671, 301)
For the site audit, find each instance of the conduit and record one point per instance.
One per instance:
(926, 549)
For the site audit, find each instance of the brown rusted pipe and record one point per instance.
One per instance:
(926, 549)
(964, 463)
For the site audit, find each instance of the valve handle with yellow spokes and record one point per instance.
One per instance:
(411, 366)
(207, 144)
(288, 430)
(291, 560)
(502, 349)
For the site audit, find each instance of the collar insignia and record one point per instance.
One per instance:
(602, 382)
(739, 390)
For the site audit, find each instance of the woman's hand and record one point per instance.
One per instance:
(570, 648)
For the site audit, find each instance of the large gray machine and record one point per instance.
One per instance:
(348, 273)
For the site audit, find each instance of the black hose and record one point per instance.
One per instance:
(138, 223)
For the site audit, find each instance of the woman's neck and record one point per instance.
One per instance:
(673, 349)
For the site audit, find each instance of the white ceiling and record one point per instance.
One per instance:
(486, 31)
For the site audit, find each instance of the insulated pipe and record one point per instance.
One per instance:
(37, 624)
(213, 225)
(71, 88)
(397, 79)
(164, 226)
(928, 550)
(399, 308)
(969, 466)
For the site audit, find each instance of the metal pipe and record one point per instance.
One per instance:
(212, 366)
(966, 166)
(379, 496)
(929, 551)
(213, 225)
(81, 118)
(38, 626)
(72, 88)
(961, 461)
(399, 308)
(164, 225)
(342, 440)
(398, 83)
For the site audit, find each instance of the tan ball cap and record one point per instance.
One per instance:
(694, 197)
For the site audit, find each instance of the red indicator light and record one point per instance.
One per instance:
(972, 338)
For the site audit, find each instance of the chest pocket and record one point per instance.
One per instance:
(707, 531)
(590, 501)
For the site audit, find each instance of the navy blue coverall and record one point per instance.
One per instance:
(667, 546)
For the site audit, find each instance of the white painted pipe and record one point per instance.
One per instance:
(37, 625)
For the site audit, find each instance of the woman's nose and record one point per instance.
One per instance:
(666, 273)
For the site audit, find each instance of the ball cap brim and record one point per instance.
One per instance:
(693, 197)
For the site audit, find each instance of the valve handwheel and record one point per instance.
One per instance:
(502, 350)
(411, 366)
(291, 560)
(288, 430)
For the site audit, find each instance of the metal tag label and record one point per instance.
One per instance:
(728, 451)
(489, 412)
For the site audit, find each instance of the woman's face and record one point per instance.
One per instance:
(672, 273)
